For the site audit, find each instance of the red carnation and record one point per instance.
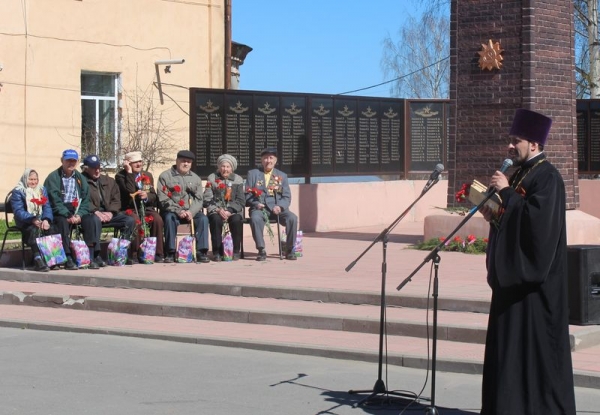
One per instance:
(129, 212)
(138, 222)
(149, 219)
(208, 185)
(164, 188)
(177, 188)
(181, 203)
(169, 194)
(75, 203)
(222, 185)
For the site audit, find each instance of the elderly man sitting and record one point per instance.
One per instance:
(269, 192)
(180, 196)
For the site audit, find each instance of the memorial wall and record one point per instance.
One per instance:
(318, 135)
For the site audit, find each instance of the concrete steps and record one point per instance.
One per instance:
(328, 323)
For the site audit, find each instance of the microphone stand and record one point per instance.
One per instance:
(433, 255)
(379, 387)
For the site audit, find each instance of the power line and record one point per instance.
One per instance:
(395, 79)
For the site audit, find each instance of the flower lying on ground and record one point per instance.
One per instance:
(470, 245)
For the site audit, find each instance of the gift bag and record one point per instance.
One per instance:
(185, 249)
(117, 251)
(80, 253)
(52, 250)
(148, 250)
(228, 247)
(297, 247)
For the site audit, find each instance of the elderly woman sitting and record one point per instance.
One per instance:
(224, 199)
(32, 212)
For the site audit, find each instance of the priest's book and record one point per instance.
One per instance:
(478, 192)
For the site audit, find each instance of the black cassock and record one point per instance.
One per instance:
(527, 368)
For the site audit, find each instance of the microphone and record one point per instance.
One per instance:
(506, 164)
(435, 174)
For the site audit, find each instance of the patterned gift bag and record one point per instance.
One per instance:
(81, 253)
(297, 247)
(148, 250)
(52, 250)
(185, 249)
(117, 251)
(228, 247)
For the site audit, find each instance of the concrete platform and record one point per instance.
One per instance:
(311, 306)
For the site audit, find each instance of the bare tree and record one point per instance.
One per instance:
(587, 48)
(419, 59)
(146, 129)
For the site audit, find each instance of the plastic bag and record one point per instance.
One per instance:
(81, 253)
(185, 249)
(297, 246)
(148, 250)
(51, 248)
(117, 251)
(227, 247)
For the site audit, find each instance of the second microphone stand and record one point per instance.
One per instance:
(379, 387)
(434, 255)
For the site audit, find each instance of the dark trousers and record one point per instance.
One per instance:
(64, 228)
(172, 221)
(216, 232)
(92, 228)
(156, 229)
(31, 232)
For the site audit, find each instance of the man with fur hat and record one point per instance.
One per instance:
(269, 191)
(180, 197)
(132, 179)
(527, 365)
(224, 200)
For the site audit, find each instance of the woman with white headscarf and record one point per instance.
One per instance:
(32, 212)
(224, 200)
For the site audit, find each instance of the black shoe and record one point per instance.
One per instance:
(99, 261)
(70, 265)
(291, 256)
(217, 258)
(129, 261)
(158, 258)
(202, 258)
(40, 265)
(236, 256)
(262, 255)
(94, 265)
(169, 259)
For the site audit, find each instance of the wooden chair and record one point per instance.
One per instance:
(11, 228)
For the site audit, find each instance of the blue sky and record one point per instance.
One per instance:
(316, 46)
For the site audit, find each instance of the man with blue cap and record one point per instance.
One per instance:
(69, 197)
(527, 367)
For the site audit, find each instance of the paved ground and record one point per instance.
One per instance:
(55, 373)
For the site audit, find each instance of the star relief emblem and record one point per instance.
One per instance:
(490, 56)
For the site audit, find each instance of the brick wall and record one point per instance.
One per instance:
(537, 73)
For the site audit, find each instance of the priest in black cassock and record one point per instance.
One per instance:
(527, 367)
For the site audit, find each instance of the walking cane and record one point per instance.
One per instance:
(278, 229)
(193, 233)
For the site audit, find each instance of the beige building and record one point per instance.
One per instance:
(77, 73)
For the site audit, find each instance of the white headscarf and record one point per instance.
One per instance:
(30, 192)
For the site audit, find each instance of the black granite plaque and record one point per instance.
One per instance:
(293, 133)
(208, 129)
(368, 136)
(426, 135)
(392, 154)
(594, 137)
(321, 130)
(266, 124)
(238, 126)
(582, 138)
(345, 138)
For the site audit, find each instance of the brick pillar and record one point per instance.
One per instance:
(537, 73)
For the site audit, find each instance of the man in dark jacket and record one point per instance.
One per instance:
(69, 197)
(527, 367)
(133, 179)
(105, 206)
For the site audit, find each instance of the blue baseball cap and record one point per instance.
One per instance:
(92, 161)
(70, 155)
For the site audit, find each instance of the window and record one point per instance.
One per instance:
(100, 116)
